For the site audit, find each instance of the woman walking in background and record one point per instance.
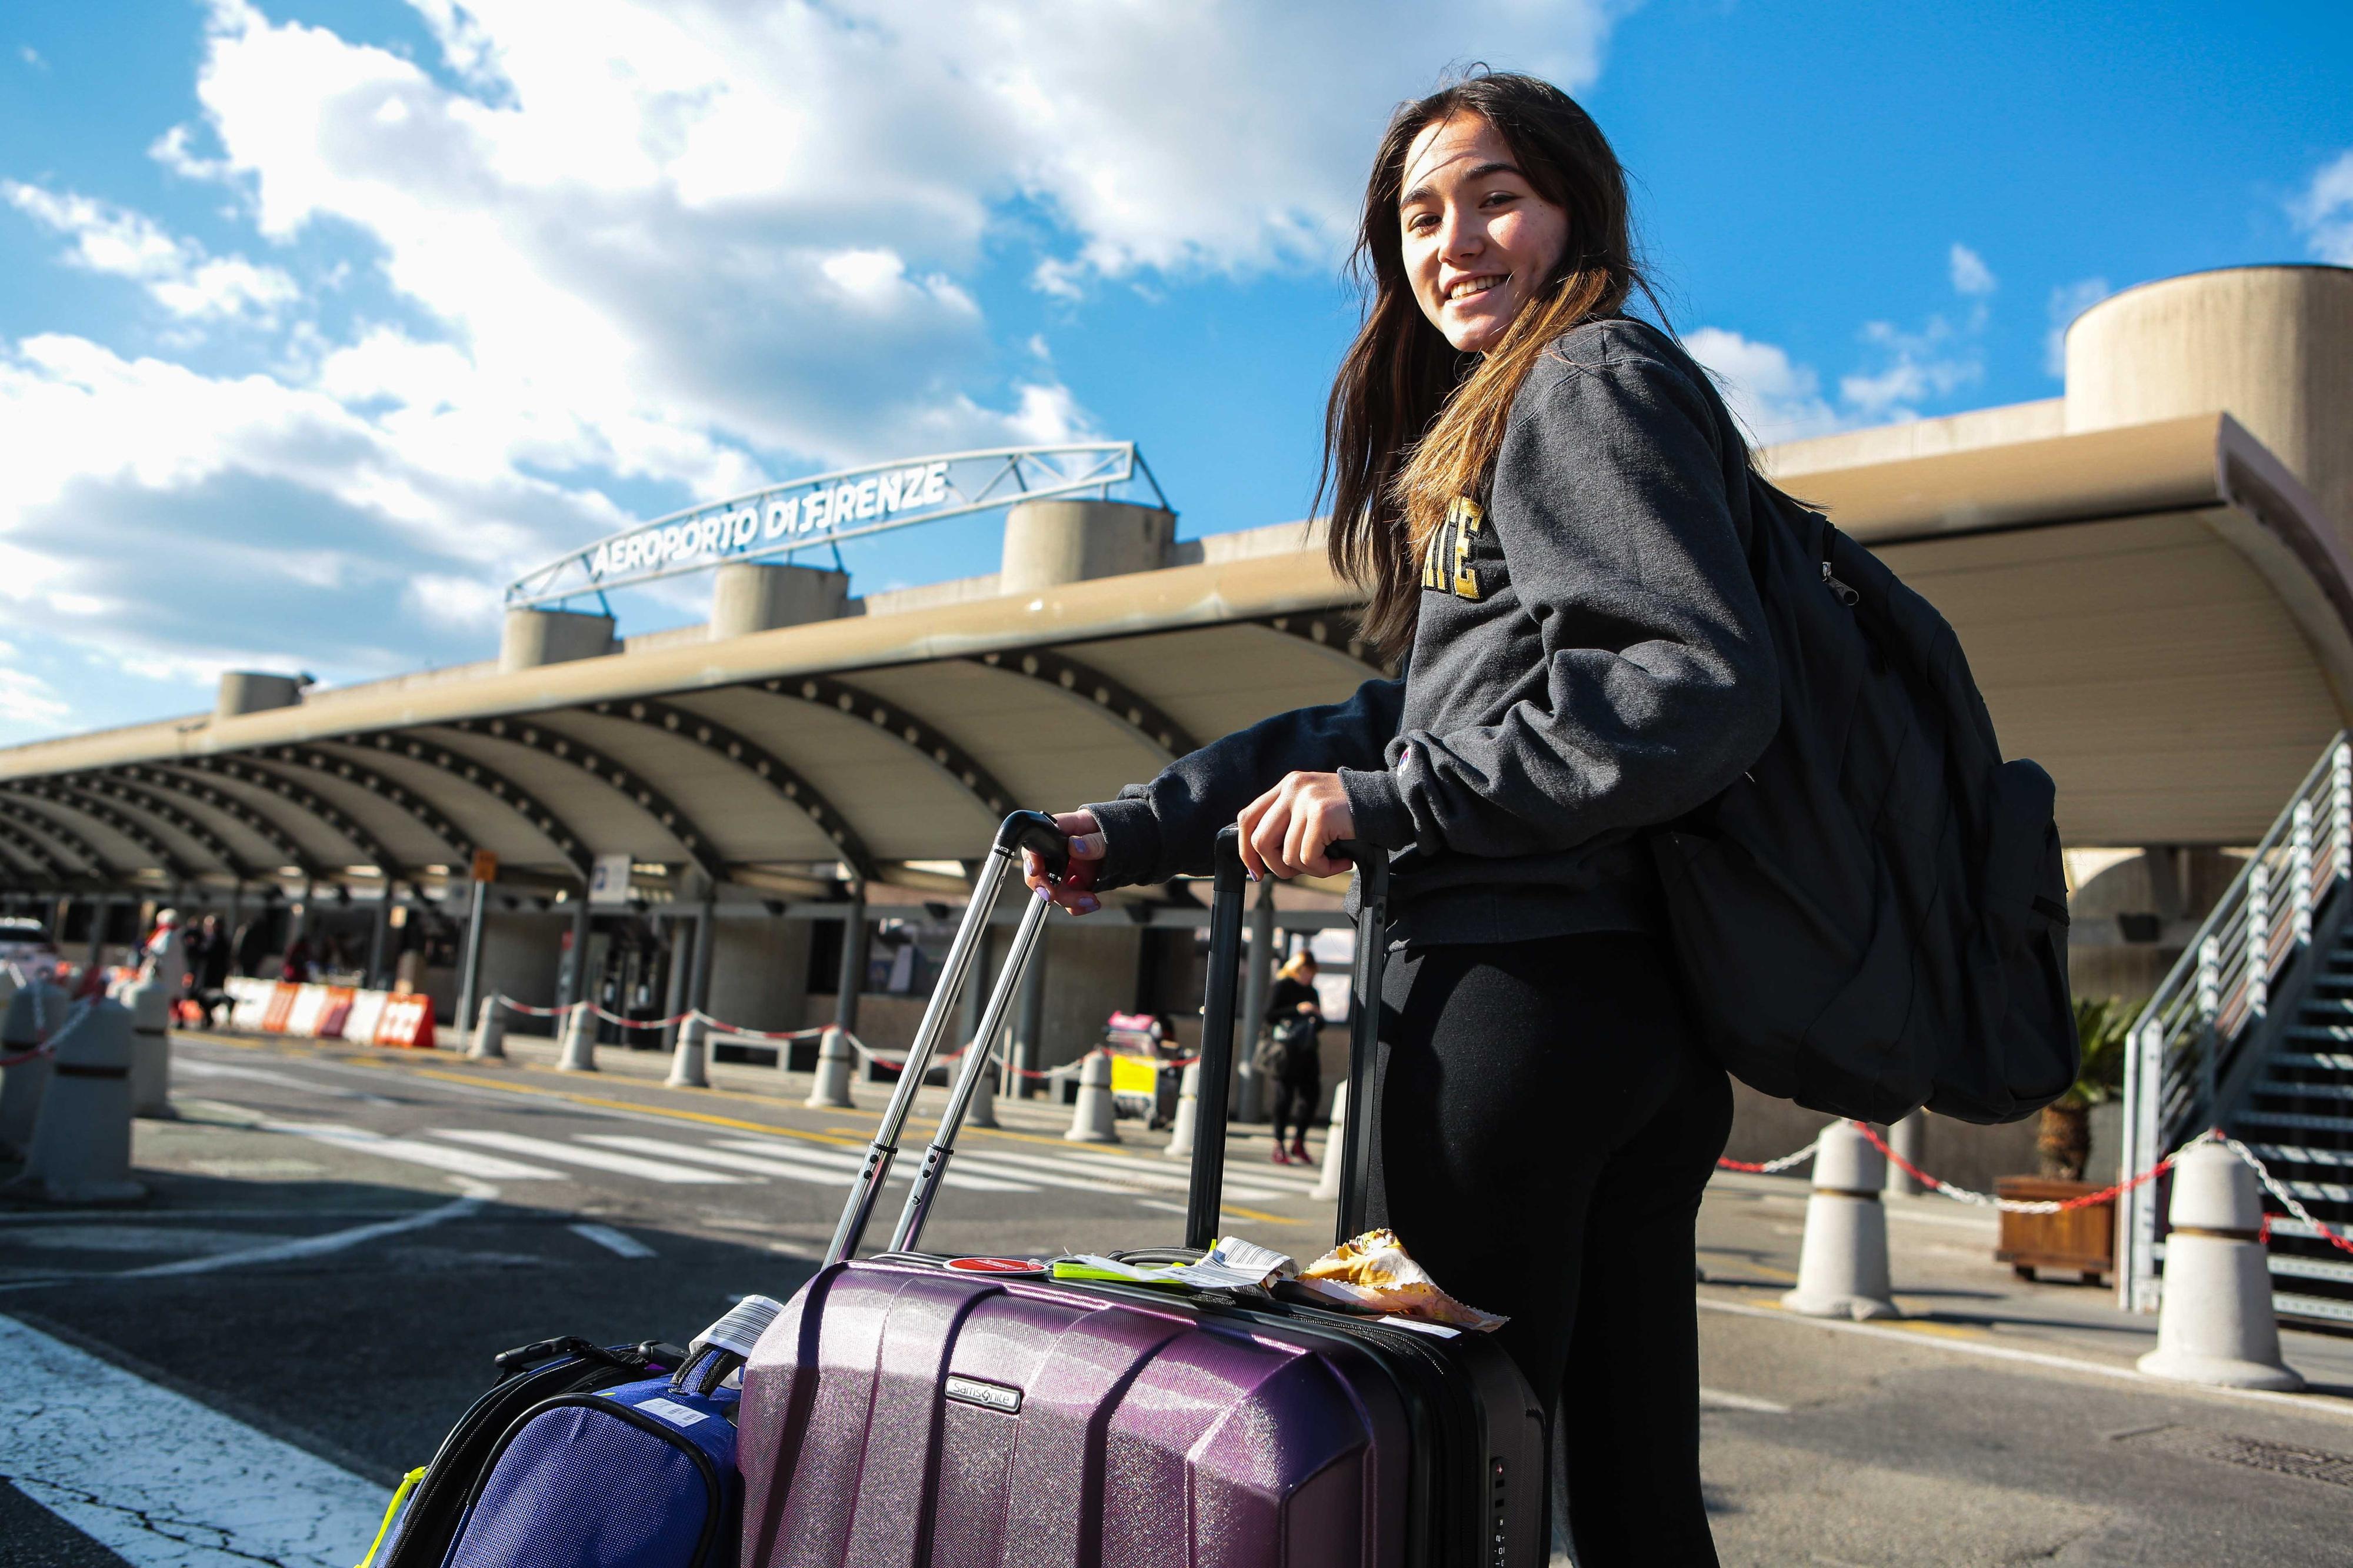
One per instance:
(1547, 505)
(1294, 1022)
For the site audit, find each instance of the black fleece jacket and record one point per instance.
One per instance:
(1590, 660)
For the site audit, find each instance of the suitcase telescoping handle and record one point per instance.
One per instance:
(1022, 830)
(1348, 1145)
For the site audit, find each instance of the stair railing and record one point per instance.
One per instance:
(2193, 1031)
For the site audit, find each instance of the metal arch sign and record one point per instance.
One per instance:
(826, 509)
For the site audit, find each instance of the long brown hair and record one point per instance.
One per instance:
(1411, 423)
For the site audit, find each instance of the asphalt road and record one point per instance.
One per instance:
(341, 1240)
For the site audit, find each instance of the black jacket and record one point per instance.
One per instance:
(1590, 660)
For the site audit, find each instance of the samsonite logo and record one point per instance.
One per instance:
(988, 1395)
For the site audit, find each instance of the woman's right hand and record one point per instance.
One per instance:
(1086, 845)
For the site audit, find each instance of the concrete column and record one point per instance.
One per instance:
(378, 932)
(1908, 1138)
(534, 637)
(753, 596)
(1047, 542)
(674, 985)
(975, 1001)
(852, 978)
(100, 908)
(1029, 1047)
(470, 965)
(1258, 976)
(706, 922)
(573, 984)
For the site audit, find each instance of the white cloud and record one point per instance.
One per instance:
(2068, 302)
(1774, 398)
(625, 251)
(2325, 212)
(1971, 276)
(177, 272)
(31, 56)
(468, 603)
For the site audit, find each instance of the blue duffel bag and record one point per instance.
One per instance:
(603, 1473)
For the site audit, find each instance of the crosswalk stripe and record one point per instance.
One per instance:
(1256, 1175)
(618, 1242)
(1266, 1181)
(463, 1162)
(594, 1159)
(157, 1479)
(1129, 1172)
(787, 1161)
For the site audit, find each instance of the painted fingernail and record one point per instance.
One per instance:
(1087, 846)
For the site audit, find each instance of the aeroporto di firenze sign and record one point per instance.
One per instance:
(827, 507)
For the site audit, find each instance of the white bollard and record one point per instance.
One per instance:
(688, 1067)
(35, 1013)
(1327, 1180)
(150, 1048)
(983, 1111)
(1843, 1262)
(2215, 1323)
(579, 1041)
(1092, 1120)
(82, 1143)
(489, 1031)
(835, 1060)
(1189, 1111)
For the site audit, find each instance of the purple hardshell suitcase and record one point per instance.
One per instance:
(898, 1413)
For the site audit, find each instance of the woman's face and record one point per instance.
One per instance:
(1477, 239)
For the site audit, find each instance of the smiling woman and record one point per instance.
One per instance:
(1549, 507)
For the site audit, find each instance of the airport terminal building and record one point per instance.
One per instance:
(770, 816)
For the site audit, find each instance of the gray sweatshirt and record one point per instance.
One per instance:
(1590, 660)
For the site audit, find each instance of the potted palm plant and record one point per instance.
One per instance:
(2081, 1239)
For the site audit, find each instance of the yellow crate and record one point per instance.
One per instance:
(1134, 1075)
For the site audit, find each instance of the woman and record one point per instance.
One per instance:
(1547, 506)
(1295, 1017)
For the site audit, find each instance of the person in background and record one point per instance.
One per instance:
(208, 961)
(295, 969)
(1295, 1017)
(252, 948)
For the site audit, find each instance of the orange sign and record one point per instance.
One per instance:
(486, 866)
(406, 1021)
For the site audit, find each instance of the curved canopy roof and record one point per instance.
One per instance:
(2158, 614)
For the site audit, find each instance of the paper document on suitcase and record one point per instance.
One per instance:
(1231, 1264)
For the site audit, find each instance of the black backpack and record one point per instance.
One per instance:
(1874, 917)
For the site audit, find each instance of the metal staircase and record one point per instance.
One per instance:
(2252, 1031)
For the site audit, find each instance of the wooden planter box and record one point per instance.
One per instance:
(2082, 1240)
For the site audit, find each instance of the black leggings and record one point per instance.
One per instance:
(1544, 1124)
(1294, 1105)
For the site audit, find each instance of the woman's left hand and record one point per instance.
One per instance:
(1289, 830)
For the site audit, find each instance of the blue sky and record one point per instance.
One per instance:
(320, 318)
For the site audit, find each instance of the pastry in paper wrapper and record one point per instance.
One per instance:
(1373, 1272)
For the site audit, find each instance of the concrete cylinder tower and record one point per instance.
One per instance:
(1047, 542)
(534, 637)
(2271, 346)
(749, 597)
